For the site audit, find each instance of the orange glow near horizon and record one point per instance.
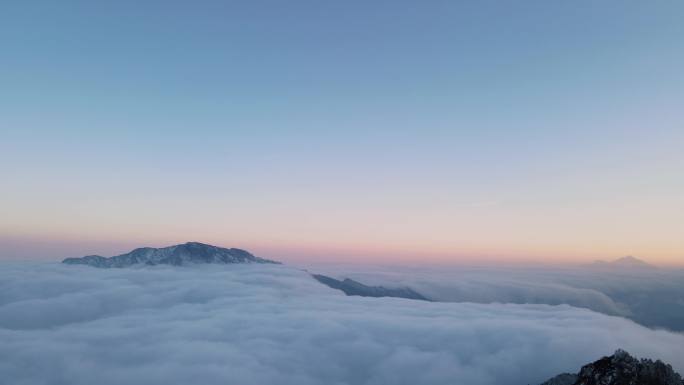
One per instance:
(56, 246)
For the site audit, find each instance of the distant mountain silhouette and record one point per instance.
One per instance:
(183, 254)
(627, 262)
(351, 288)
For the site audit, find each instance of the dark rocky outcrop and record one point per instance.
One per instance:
(621, 369)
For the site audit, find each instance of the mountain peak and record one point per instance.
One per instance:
(620, 369)
(198, 244)
(182, 254)
(627, 262)
(630, 261)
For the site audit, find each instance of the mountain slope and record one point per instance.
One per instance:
(183, 254)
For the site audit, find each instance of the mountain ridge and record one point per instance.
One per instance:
(351, 287)
(177, 255)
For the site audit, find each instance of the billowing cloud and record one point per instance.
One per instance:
(248, 324)
(652, 297)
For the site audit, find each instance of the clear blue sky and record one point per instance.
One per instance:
(440, 129)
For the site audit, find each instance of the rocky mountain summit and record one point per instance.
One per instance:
(621, 369)
(183, 254)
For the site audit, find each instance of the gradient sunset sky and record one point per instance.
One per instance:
(445, 131)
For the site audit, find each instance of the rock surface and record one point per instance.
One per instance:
(183, 254)
(621, 369)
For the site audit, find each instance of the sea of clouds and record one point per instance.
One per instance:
(263, 324)
(650, 296)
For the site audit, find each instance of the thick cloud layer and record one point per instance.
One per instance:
(652, 297)
(275, 325)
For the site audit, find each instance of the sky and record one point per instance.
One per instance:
(441, 131)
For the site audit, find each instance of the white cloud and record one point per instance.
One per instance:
(257, 324)
(650, 297)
